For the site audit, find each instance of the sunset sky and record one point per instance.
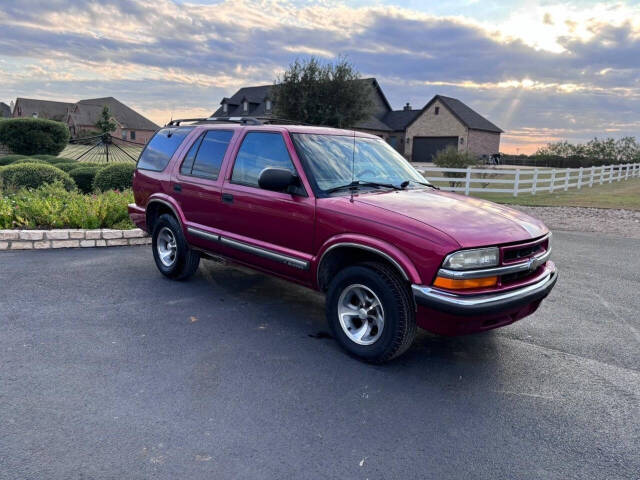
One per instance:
(542, 71)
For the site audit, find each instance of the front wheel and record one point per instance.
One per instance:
(171, 252)
(370, 312)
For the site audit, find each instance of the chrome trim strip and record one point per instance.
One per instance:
(202, 234)
(453, 299)
(264, 253)
(363, 247)
(530, 264)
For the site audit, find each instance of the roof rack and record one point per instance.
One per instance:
(240, 120)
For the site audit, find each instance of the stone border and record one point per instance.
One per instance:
(70, 238)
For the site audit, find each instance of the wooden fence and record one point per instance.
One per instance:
(530, 180)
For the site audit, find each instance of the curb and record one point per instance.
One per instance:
(70, 238)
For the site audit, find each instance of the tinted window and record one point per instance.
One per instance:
(187, 164)
(260, 150)
(211, 153)
(161, 148)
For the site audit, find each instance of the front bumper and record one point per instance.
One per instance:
(485, 304)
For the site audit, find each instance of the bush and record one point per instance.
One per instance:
(46, 158)
(33, 175)
(117, 176)
(52, 206)
(452, 158)
(8, 159)
(29, 136)
(28, 160)
(57, 160)
(67, 166)
(84, 175)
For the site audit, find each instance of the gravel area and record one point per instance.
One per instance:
(620, 223)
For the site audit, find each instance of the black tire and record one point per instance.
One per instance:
(185, 261)
(399, 315)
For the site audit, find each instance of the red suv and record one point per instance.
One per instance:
(343, 213)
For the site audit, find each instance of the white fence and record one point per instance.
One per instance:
(530, 180)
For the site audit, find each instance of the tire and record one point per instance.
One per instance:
(168, 237)
(371, 281)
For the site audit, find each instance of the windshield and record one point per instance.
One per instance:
(331, 161)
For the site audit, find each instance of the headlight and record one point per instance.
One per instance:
(472, 259)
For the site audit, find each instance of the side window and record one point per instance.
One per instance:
(161, 148)
(258, 151)
(187, 163)
(206, 154)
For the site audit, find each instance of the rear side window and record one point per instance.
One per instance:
(209, 155)
(161, 148)
(260, 150)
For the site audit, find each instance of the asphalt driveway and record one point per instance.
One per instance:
(109, 371)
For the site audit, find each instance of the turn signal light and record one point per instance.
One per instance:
(454, 284)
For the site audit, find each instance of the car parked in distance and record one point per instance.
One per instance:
(343, 213)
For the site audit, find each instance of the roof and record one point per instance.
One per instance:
(84, 115)
(44, 108)
(400, 119)
(469, 117)
(5, 110)
(373, 123)
(126, 117)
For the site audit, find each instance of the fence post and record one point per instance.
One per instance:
(601, 174)
(516, 182)
(566, 179)
(535, 180)
(626, 172)
(619, 172)
(593, 171)
(611, 173)
(580, 178)
(467, 182)
(553, 180)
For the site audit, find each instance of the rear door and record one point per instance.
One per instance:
(197, 182)
(271, 230)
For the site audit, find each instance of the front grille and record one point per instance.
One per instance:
(513, 254)
(522, 253)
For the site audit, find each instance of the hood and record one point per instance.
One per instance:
(469, 221)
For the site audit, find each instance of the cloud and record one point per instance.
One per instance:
(556, 72)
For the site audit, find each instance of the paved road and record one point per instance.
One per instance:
(109, 371)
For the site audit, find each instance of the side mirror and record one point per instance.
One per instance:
(277, 179)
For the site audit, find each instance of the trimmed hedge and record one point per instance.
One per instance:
(67, 166)
(29, 160)
(84, 176)
(29, 136)
(117, 176)
(9, 159)
(33, 175)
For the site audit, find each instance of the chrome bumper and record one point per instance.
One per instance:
(484, 304)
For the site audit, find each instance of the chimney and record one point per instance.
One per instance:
(407, 107)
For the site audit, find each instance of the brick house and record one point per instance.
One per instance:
(82, 116)
(418, 134)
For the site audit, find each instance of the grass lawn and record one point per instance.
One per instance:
(624, 194)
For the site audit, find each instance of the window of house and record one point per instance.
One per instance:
(268, 105)
(259, 150)
(393, 141)
(161, 148)
(124, 134)
(225, 107)
(437, 110)
(245, 106)
(206, 154)
(132, 135)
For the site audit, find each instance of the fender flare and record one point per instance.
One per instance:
(168, 202)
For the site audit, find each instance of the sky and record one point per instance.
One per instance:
(542, 71)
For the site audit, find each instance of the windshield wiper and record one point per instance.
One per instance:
(406, 182)
(360, 183)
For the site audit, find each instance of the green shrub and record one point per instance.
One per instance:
(56, 160)
(46, 158)
(28, 160)
(84, 175)
(450, 157)
(67, 166)
(117, 176)
(33, 175)
(8, 159)
(29, 136)
(52, 206)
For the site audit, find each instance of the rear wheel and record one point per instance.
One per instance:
(370, 312)
(171, 252)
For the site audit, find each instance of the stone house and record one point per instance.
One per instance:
(82, 116)
(418, 134)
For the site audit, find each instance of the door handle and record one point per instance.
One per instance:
(177, 187)
(227, 198)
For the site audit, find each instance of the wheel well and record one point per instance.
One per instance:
(340, 257)
(154, 210)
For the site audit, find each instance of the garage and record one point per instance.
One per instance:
(425, 148)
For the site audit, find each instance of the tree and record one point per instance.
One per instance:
(331, 94)
(105, 123)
